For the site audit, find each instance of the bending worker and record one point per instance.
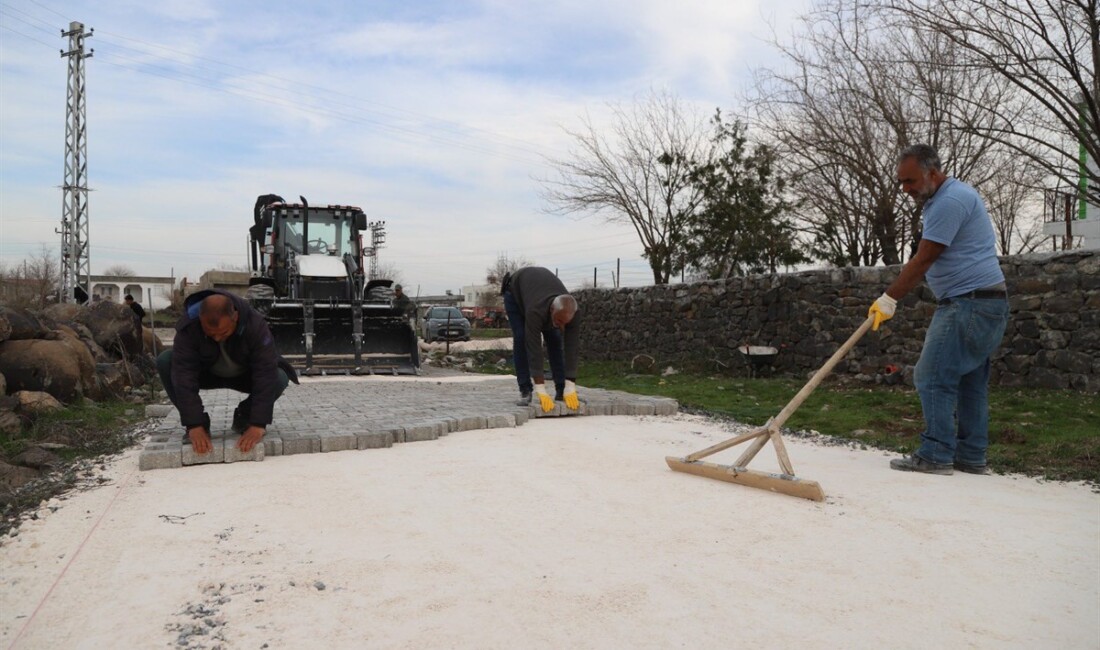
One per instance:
(957, 254)
(539, 308)
(221, 342)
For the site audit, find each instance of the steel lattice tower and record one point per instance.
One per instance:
(75, 259)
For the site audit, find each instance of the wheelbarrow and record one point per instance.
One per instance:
(758, 357)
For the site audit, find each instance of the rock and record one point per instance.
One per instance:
(81, 333)
(13, 477)
(3, 385)
(10, 423)
(36, 457)
(112, 326)
(32, 402)
(21, 325)
(63, 368)
(112, 379)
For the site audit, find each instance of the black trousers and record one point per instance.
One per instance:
(209, 381)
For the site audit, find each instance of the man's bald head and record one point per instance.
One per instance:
(218, 316)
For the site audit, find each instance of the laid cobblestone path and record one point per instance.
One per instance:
(322, 416)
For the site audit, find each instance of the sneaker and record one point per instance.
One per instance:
(240, 420)
(981, 470)
(915, 463)
(524, 400)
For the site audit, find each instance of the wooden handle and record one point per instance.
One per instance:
(793, 405)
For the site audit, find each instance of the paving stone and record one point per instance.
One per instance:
(374, 440)
(234, 455)
(273, 446)
(333, 416)
(339, 442)
(159, 459)
(420, 433)
(158, 410)
(215, 455)
(500, 421)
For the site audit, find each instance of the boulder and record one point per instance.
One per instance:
(36, 402)
(3, 385)
(112, 379)
(63, 368)
(112, 326)
(13, 477)
(64, 312)
(37, 458)
(81, 333)
(20, 324)
(10, 422)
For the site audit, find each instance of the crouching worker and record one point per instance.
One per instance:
(221, 342)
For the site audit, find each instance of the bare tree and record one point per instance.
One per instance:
(120, 271)
(32, 283)
(639, 173)
(860, 85)
(389, 271)
(503, 266)
(1049, 50)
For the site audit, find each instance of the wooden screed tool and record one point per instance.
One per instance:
(738, 472)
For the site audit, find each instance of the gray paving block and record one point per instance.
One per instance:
(374, 440)
(470, 422)
(234, 455)
(158, 410)
(644, 409)
(500, 421)
(420, 432)
(273, 445)
(215, 455)
(521, 415)
(339, 442)
(301, 445)
(159, 459)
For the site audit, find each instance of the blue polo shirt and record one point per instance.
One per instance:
(955, 216)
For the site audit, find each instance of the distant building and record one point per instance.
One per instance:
(141, 287)
(235, 282)
(481, 295)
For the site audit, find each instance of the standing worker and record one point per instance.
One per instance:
(402, 302)
(538, 308)
(221, 342)
(957, 254)
(139, 314)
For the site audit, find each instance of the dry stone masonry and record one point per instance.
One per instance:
(1052, 340)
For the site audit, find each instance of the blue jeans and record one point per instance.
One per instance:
(952, 378)
(555, 349)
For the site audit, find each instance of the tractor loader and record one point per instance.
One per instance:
(310, 281)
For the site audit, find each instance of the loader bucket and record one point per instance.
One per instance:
(321, 338)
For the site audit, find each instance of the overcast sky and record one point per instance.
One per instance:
(434, 116)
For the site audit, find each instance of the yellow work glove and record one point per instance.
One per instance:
(545, 400)
(570, 395)
(882, 310)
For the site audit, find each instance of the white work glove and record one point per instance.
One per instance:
(545, 400)
(882, 310)
(570, 395)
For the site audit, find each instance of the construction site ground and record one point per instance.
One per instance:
(551, 533)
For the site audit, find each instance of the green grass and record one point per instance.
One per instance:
(490, 333)
(1048, 433)
(88, 430)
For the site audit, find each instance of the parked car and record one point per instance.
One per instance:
(445, 324)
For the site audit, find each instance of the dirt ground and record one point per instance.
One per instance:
(560, 533)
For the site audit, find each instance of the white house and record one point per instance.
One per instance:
(142, 288)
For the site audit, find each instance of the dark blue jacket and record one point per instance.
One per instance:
(251, 346)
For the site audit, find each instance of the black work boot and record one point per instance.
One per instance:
(915, 463)
(972, 469)
(524, 399)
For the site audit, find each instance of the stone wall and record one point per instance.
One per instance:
(1052, 340)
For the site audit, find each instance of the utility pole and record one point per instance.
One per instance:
(75, 259)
